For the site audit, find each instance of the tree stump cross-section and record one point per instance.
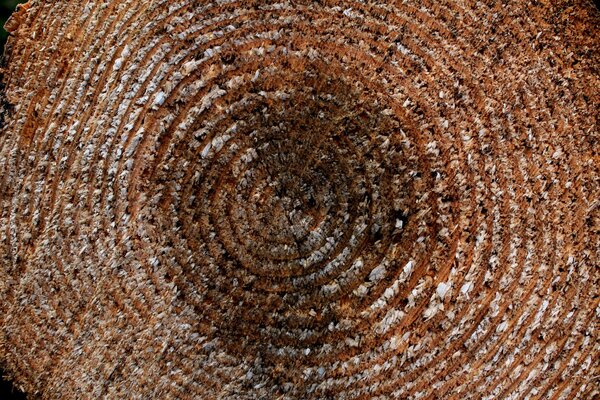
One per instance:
(301, 199)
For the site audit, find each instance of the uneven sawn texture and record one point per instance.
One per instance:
(301, 199)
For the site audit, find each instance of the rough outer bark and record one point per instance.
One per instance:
(301, 200)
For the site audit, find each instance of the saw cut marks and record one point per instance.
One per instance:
(301, 200)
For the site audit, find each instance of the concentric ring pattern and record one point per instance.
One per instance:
(262, 199)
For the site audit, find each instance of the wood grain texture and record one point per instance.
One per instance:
(301, 199)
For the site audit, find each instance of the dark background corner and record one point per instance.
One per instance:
(6, 8)
(8, 391)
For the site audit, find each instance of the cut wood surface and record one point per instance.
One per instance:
(301, 199)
